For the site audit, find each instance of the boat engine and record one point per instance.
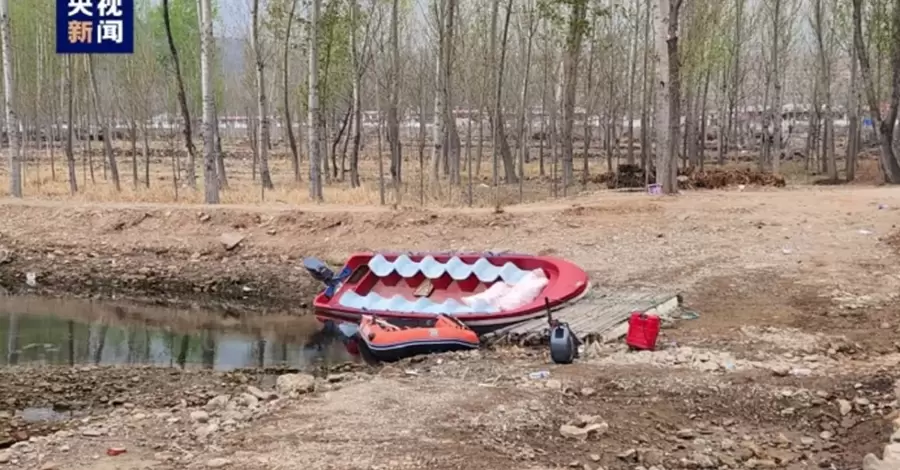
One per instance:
(563, 342)
(319, 271)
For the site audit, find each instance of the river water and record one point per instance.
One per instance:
(41, 331)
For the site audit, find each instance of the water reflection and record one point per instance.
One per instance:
(12, 340)
(35, 415)
(52, 338)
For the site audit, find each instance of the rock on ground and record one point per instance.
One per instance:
(295, 384)
(217, 463)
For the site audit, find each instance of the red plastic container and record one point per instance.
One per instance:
(642, 331)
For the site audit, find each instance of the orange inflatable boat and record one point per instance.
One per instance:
(386, 342)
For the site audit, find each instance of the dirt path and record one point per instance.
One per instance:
(796, 292)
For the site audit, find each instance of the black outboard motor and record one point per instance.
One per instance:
(563, 342)
(319, 271)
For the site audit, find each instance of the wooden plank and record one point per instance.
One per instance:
(598, 316)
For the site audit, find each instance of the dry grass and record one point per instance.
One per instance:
(244, 187)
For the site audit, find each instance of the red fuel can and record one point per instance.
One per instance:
(642, 331)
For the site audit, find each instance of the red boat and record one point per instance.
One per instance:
(484, 291)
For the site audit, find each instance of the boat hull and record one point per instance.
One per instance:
(393, 281)
(400, 352)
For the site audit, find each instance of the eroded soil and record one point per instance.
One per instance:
(791, 364)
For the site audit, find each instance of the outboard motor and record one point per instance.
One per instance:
(319, 271)
(563, 342)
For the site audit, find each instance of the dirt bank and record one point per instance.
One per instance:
(158, 256)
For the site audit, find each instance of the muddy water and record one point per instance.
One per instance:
(40, 331)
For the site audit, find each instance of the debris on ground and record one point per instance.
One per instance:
(632, 176)
(230, 240)
(719, 178)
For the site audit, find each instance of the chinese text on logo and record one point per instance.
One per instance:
(94, 26)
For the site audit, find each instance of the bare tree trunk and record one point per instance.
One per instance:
(210, 176)
(469, 148)
(90, 136)
(629, 159)
(350, 119)
(482, 104)
(495, 14)
(723, 120)
(252, 136)
(853, 111)
(509, 166)
(394, 98)
(691, 125)
(885, 124)
(182, 99)
(38, 117)
(265, 177)
(812, 138)
(380, 149)
(337, 138)
(825, 71)
(104, 125)
(146, 153)
(12, 121)
(451, 134)
(70, 128)
(543, 136)
(437, 130)
(132, 125)
(357, 96)
(554, 130)
(736, 78)
(315, 175)
(663, 150)
(57, 134)
(500, 145)
(220, 155)
(646, 94)
(523, 136)
(674, 66)
(288, 124)
(423, 102)
(776, 78)
(701, 154)
(345, 122)
(570, 60)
